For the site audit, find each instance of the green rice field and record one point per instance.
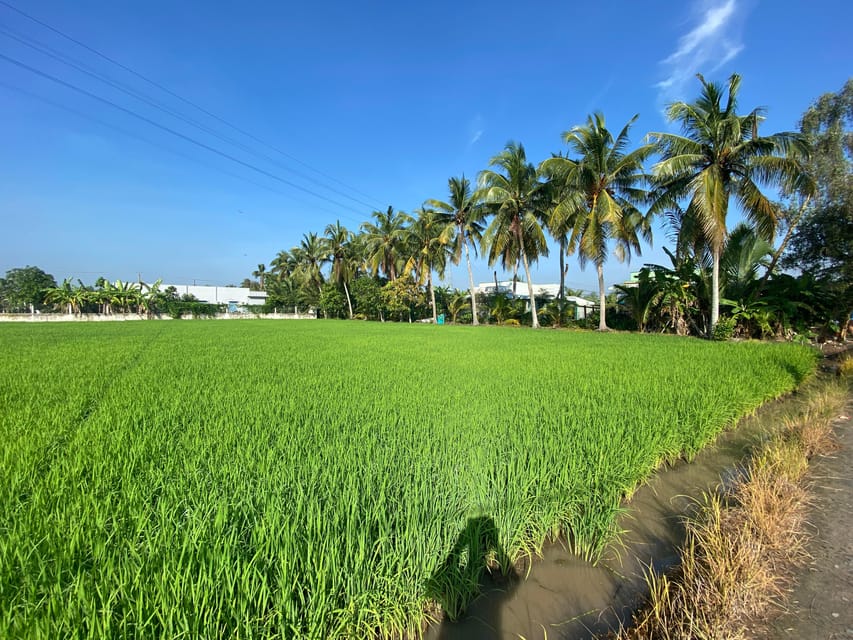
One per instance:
(284, 479)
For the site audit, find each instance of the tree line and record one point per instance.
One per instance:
(596, 199)
(30, 289)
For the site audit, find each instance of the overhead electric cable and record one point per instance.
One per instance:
(136, 136)
(83, 68)
(174, 132)
(182, 99)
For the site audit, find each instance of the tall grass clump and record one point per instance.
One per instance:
(320, 480)
(741, 546)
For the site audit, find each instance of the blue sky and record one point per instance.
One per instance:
(373, 103)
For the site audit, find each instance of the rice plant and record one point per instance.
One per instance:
(311, 480)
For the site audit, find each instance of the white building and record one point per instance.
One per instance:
(583, 307)
(235, 299)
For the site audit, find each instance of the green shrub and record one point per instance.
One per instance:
(724, 329)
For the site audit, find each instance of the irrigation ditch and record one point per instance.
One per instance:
(566, 597)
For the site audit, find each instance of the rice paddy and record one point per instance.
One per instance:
(309, 479)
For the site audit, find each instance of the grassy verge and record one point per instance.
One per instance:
(743, 544)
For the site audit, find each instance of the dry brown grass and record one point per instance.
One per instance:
(742, 545)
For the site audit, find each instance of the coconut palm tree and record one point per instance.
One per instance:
(311, 254)
(463, 215)
(609, 180)
(260, 273)
(384, 240)
(564, 208)
(344, 268)
(428, 250)
(720, 157)
(513, 194)
(283, 265)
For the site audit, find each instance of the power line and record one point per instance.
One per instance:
(174, 132)
(124, 88)
(136, 136)
(182, 99)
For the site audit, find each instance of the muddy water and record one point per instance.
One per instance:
(565, 597)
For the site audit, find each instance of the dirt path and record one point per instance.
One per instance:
(821, 604)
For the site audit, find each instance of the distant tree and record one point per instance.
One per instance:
(462, 214)
(152, 298)
(332, 301)
(344, 265)
(313, 253)
(564, 208)
(284, 293)
(429, 252)
(125, 295)
(638, 298)
(63, 296)
(283, 265)
(401, 296)
(24, 288)
(384, 239)
(260, 273)
(822, 244)
(367, 298)
(609, 180)
(513, 195)
(501, 308)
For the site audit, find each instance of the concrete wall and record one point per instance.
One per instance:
(128, 317)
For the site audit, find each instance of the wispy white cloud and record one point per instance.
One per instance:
(476, 128)
(714, 40)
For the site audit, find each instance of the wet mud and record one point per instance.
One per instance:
(565, 597)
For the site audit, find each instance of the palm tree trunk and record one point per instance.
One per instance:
(349, 302)
(432, 297)
(715, 292)
(602, 322)
(529, 283)
(561, 295)
(470, 281)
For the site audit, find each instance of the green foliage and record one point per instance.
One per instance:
(502, 308)
(305, 479)
(559, 313)
(458, 305)
(463, 216)
(516, 199)
(384, 240)
(366, 297)
(724, 329)
(332, 301)
(601, 191)
(721, 157)
(822, 244)
(401, 296)
(24, 288)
